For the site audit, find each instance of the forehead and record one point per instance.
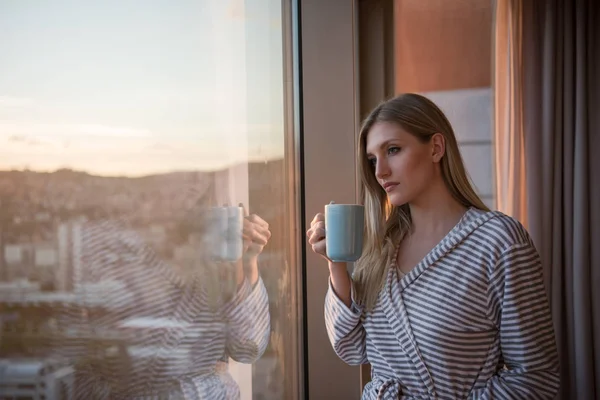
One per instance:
(382, 133)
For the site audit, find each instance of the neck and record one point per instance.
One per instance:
(436, 211)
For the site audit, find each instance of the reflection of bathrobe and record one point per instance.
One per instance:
(174, 345)
(447, 329)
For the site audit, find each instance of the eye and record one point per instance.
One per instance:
(393, 150)
(372, 161)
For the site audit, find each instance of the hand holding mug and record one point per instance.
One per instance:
(337, 235)
(256, 235)
(316, 235)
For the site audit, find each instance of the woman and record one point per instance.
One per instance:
(447, 300)
(161, 333)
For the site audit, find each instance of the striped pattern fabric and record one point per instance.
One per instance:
(470, 321)
(158, 336)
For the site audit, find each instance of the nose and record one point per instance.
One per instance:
(382, 169)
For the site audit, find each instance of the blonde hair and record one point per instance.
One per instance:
(385, 224)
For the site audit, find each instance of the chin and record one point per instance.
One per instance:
(397, 200)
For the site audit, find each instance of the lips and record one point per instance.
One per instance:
(389, 186)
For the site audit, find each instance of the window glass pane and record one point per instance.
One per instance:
(147, 200)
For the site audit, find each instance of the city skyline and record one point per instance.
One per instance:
(141, 89)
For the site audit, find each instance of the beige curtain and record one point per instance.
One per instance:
(508, 122)
(547, 135)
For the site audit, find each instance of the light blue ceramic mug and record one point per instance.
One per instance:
(225, 233)
(344, 230)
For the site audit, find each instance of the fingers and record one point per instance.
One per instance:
(251, 225)
(317, 225)
(318, 218)
(316, 235)
(256, 230)
(256, 236)
(255, 219)
(319, 248)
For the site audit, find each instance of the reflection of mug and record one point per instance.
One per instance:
(225, 227)
(344, 226)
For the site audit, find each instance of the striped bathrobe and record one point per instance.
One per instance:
(470, 321)
(171, 341)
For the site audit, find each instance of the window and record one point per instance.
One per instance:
(125, 129)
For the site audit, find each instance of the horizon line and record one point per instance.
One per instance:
(141, 175)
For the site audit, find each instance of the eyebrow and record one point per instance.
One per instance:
(382, 145)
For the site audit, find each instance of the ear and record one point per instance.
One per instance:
(438, 147)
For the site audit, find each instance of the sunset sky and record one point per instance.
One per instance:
(133, 87)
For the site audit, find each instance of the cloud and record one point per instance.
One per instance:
(15, 102)
(162, 147)
(17, 138)
(112, 131)
(25, 140)
(71, 130)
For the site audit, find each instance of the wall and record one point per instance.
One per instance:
(329, 101)
(442, 45)
(443, 49)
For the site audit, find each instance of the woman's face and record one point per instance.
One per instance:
(403, 165)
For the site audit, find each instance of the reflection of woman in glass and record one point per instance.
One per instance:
(158, 333)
